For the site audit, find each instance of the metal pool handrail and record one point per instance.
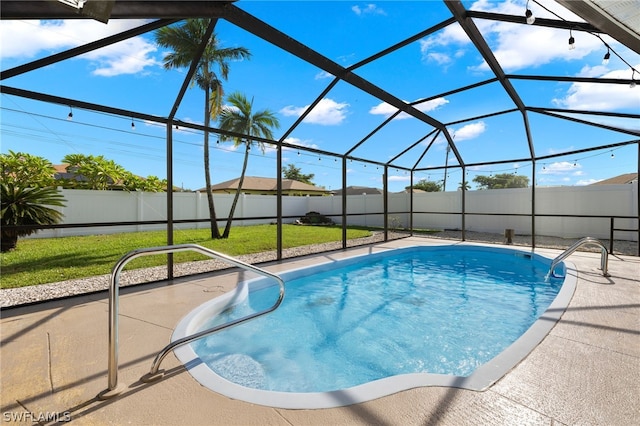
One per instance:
(604, 260)
(112, 389)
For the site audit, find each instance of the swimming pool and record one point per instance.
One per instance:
(368, 326)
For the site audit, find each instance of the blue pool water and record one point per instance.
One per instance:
(435, 310)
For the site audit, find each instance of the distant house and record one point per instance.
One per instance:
(61, 173)
(619, 180)
(358, 190)
(267, 186)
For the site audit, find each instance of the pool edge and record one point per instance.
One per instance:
(481, 379)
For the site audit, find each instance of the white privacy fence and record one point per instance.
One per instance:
(486, 211)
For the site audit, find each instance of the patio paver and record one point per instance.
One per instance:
(54, 359)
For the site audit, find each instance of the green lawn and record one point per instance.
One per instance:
(46, 260)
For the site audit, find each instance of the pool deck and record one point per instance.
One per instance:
(54, 361)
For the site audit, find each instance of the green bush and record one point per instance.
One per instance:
(315, 218)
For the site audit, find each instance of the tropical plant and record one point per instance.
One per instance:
(100, 173)
(185, 40)
(93, 172)
(26, 206)
(26, 169)
(294, 173)
(238, 117)
(427, 186)
(26, 188)
(151, 183)
(502, 180)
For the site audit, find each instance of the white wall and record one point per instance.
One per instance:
(84, 206)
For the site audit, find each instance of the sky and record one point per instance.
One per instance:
(130, 76)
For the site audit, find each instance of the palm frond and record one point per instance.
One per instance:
(29, 206)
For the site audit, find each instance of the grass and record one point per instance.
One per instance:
(47, 260)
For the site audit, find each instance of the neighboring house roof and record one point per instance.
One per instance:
(266, 185)
(619, 180)
(62, 173)
(358, 190)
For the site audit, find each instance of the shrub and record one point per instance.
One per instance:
(315, 218)
(26, 206)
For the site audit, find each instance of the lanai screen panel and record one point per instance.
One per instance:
(428, 67)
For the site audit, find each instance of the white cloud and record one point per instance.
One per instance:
(369, 9)
(451, 35)
(383, 109)
(439, 58)
(469, 131)
(399, 178)
(44, 37)
(560, 150)
(589, 71)
(323, 75)
(299, 142)
(601, 97)
(327, 112)
(560, 168)
(387, 110)
(514, 46)
(523, 46)
(127, 57)
(584, 182)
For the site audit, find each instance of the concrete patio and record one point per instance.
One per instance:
(54, 361)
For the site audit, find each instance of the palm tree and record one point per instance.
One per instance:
(21, 206)
(185, 40)
(464, 185)
(239, 117)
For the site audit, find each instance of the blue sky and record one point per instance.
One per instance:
(130, 76)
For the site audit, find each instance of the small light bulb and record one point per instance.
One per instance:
(605, 60)
(572, 43)
(530, 18)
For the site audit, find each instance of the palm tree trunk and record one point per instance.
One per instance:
(227, 228)
(8, 241)
(215, 232)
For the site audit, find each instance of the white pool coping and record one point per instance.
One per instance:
(481, 379)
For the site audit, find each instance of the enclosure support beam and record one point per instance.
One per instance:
(464, 204)
(385, 202)
(533, 205)
(279, 203)
(411, 202)
(344, 202)
(169, 199)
